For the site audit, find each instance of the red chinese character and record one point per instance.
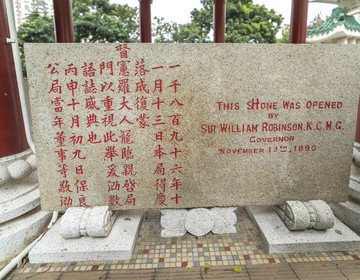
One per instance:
(129, 185)
(124, 68)
(158, 120)
(160, 184)
(89, 87)
(177, 102)
(125, 119)
(90, 103)
(108, 103)
(88, 70)
(111, 152)
(176, 168)
(55, 87)
(81, 186)
(160, 169)
(175, 135)
(130, 200)
(73, 104)
(127, 153)
(109, 137)
(141, 103)
(72, 86)
(61, 155)
(140, 68)
(158, 86)
(159, 152)
(77, 154)
(157, 67)
(71, 69)
(108, 120)
(160, 199)
(142, 120)
(75, 121)
(76, 139)
(159, 136)
(174, 66)
(63, 169)
(176, 183)
(111, 172)
(125, 137)
(58, 122)
(57, 104)
(107, 65)
(79, 169)
(105, 87)
(175, 119)
(123, 50)
(123, 86)
(60, 139)
(129, 170)
(53, 68)
(64, 186)
(158, 103)
(91, 119)
(176, 198)
(114, 200)
(123, 104)
(141, 86)
(175, 84)
(66, 201)
(92, 138)
(82, 201)
(113, 186)
(175, 152)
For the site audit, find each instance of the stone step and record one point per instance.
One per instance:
(354, 191)
(18, 200)
(349, 213)
(16, 234)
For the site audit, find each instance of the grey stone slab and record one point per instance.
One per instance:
(278, 109)
(16, 234)
(279, 239)
(349, 213)
(354, 186)
(118, 245)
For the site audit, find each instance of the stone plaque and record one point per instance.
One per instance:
(192, 125)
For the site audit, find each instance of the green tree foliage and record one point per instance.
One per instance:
(246, 22)
(101, 21)
(94, 21)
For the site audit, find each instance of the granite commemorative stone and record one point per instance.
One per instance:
(192, 125)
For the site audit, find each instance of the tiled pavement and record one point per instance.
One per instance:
(187, 255)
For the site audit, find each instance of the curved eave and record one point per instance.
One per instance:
(338, 32)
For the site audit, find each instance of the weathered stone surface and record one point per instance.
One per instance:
(118, 245)
(199, 221)
(173, 222)
(279, 239)
(276, 109)
(224, 220)
(324, 217)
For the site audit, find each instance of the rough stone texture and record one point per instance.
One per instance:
(17, 200)
(224, 220)
(117, 246)
(296, 216)
(324, 217)
(4, 175)
(19, 169)
(173, 222)
(199, 221)
(32, 161)
(349, 213)
(215, 166)
(94, 222)
(279, 239)
(17, 234)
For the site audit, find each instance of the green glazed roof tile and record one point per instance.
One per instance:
(338, 18)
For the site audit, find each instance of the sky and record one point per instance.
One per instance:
(179, 10)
